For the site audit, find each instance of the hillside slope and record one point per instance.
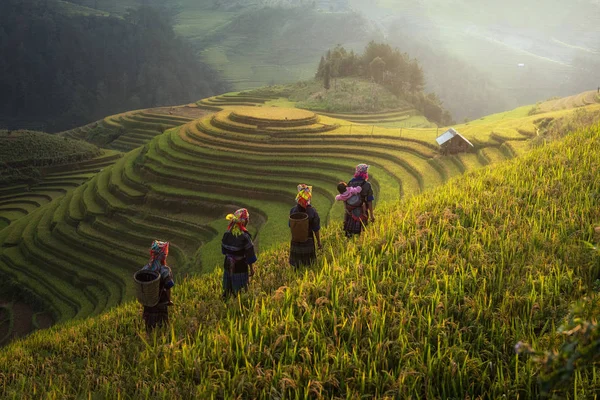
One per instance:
(184, 181)
(74, 256)
(429, 302)
(91, 65)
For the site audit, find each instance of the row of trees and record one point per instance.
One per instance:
(65, 70)
(379, 62)
(389, 67)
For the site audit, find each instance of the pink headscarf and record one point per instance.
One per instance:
(362, 172)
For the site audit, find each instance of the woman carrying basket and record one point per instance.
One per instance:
(303, 253)
(159, 314)
(239, 253)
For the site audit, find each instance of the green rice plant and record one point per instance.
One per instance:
(428, 302)
(89, 204)
(183, 183)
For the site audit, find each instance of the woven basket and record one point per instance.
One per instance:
(147, 287)
(299, 227)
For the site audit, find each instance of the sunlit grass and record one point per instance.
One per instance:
(429, 302)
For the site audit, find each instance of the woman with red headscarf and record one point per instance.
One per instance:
(304, 253)
(159, 314)
(239, 253)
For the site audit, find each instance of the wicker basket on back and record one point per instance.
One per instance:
(147, 287)
(299, 227)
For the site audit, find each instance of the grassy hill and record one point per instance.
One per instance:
(29, 160)
(29, 148)
(429, 302)
(277, 45)
(74, 256)
(257, 43)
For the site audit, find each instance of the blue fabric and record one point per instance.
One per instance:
(233, 283)
(359, 182)
(240, 247)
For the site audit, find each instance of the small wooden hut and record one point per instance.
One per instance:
(453, 142)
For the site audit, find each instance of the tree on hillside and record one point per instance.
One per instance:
(327, 76)
(377, 69)
(416, 79)
(393, 69)
(389, 67)
(321, 67)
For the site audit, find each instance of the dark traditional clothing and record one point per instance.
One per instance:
(356, 217)
(239, 256)
(304, 253)
(159, 314)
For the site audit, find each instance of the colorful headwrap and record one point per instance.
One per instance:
(158, 254)
(362, 172)
(238, 221)
(304, 195)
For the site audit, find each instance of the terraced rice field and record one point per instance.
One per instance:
(219, 103)
(132, 129)
(77, 253)
(389, 117)
(18, 319)
(565, 103)
(20, 200)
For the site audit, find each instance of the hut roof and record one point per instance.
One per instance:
(449, 134)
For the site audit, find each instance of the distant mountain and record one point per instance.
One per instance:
(517, 52)
(480, 57)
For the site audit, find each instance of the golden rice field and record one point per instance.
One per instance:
(74, 255)
(428, 303)
(565, 103)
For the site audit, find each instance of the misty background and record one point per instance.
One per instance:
(67, 63)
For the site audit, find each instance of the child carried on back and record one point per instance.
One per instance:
(353, 205)
(348, 194)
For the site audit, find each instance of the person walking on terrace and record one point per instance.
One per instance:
(239, 253)
(303, 253)
(159, 314)
(357, 216)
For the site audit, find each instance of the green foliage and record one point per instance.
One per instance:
(577, 357)
(550, 129)
(391, 69)
(39, 149)
(347, 96)
(387, 66)
(258, 46)
(327, 76)
(427, 303)
(115, 64)
(24, 152)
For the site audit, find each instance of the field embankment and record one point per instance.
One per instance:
(429, 302)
